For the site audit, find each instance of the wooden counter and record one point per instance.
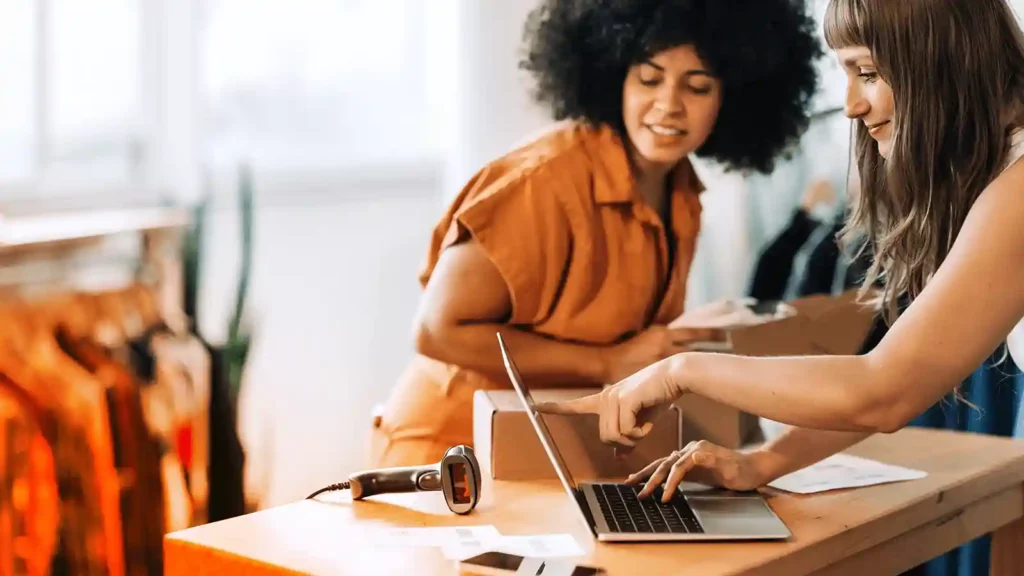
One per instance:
(975, 486)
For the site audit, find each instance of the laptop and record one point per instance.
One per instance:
(614, 513)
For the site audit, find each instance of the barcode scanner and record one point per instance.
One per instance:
(457, 476)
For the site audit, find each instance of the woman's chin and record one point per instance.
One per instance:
(658, 156)
(884, 149)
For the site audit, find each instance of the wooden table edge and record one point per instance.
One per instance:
(927, 510)
(204, 560)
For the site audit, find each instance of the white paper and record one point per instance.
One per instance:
(532, 546)
(843, 471)
(439, 536)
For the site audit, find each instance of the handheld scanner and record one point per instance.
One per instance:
(457, 476)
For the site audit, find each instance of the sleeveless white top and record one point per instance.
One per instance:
(1015, 340)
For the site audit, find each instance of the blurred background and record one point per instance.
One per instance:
(357, 121)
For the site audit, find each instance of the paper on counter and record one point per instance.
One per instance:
(843, 471)
(439, 536)
(532, 546)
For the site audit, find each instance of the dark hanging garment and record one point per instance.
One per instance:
(775, 263)
(227, 459)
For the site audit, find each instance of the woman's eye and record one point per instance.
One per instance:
(649, 81)
(701, 89)
(868, 76)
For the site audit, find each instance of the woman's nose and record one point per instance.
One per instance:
(856, 105)
(670, 102)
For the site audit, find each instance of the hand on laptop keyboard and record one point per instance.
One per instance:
(701, 462)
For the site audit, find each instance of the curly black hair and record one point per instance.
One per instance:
(763, 51)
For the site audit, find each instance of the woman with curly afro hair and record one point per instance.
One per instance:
(577, 246)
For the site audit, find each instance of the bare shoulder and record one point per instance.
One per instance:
(1001, 204)
(974, 298)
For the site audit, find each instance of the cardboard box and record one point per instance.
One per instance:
(508, 448)
(507, 445)
(726, 426)
(822, 325)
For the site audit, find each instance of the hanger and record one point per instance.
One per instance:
(146, 304)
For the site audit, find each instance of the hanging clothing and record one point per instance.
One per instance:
(29, 512)
(774, 266)
(584, 257)
(89, 439)
(996, 389)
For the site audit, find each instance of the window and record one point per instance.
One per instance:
(70, 112)
(119, 97)
(92, 103)
(317, 85)
(18, 78)
(832, 91)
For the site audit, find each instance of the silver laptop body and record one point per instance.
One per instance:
(614, 513)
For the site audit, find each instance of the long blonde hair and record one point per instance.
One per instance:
(956, 69)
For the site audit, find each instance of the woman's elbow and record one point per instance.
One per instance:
(888, 421)
(432, 337)
(428, 338)
(881, 414)
(895, 390)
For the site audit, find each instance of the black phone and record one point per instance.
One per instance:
(765, 307)
(502, 564)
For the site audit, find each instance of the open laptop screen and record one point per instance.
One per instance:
(538, 423)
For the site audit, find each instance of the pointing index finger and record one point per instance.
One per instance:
(585, 405)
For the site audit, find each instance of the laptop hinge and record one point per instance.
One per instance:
(584, 506)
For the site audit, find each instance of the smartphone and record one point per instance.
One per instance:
(502, 564)
(766, 307)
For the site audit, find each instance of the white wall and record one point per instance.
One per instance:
(334, 289)
(492, 108)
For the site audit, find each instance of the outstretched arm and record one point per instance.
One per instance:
(967, 309)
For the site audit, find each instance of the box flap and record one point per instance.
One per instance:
(508, 401)
(823, 325)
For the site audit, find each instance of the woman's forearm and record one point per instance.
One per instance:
(540, 361)
(840, 393)
(797, 448)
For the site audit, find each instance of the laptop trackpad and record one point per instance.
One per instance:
(735, 516)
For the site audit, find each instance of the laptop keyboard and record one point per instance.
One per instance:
(624, 512)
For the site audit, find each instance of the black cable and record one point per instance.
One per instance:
(331, 488)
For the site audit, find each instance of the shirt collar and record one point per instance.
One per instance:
(613, 181)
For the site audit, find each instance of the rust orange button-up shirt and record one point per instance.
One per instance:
(584, 257)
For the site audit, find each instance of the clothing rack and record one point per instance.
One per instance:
(93, 254)
(39, 250)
